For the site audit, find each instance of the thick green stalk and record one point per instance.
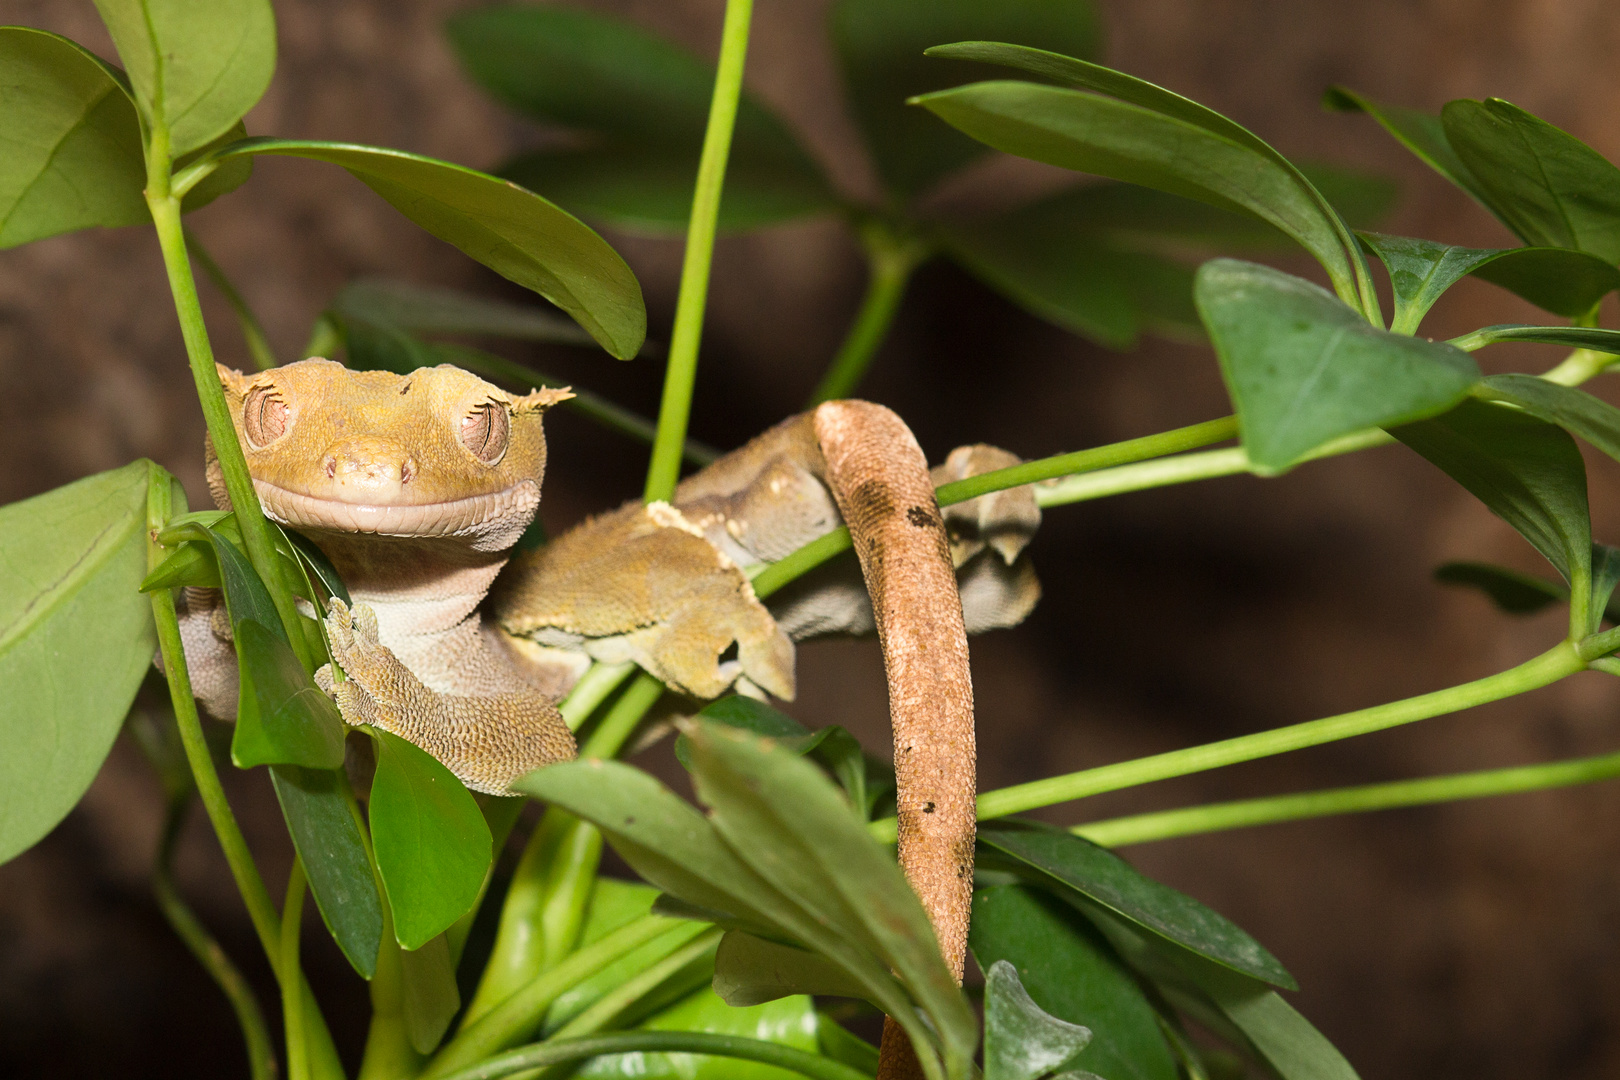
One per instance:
(680, 371)
(292, 1012)
(890, 262)
(593, 688)
(519, 1016)
(258, 345)
(560, 1052)
(607, 1009)
(260, 1051)
(622, 719)
(1552, 665)
(389, 1054)
(1192, 820)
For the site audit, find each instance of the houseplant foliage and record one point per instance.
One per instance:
(779, 898)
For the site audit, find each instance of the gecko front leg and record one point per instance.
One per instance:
(487, 741)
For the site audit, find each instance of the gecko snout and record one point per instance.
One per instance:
(368, 469)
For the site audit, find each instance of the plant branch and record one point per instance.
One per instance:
(890, 261)
(560, 1052)
(292, 923)
(258, 346)
(680, 371)
(607, 1009)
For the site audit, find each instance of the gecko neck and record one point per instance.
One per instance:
(417, 586)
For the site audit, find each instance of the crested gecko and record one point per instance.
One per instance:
(417, 487)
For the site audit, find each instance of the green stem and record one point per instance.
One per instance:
(681, 370)
(519, 1016)
(802, 1062)
(389, 1054)
(1579, 366)
(258, 346)
(608, 1008)
(615, 728)
(1192, 820)
(292, 923)
(593, 688)
(890, 261)
(260, 1051)
(1552, 665)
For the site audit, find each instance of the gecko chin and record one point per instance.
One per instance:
(486, 522)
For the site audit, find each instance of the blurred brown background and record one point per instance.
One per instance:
(1476, 940)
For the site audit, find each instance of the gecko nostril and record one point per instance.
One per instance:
(407, 469)
(331, 465)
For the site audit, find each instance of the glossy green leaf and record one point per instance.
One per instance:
(638, 105)
(428, 993)
(514, 232)
(788, 822)
(834, 748)
(189, 565)
(1605, 579)
(1550, 188)
(790, 1022)
(1071, 972)
(1075, 865)
(750, 970)
(1303, 368)
(880, 47)
(427, 310)
(230, 174)
(1526, 471)
(1571, 337)
(75, 641)
(1513, 592)
(70, 144)
(430, 839)
(1420, 271)
(1570, 407)
(1420, 132)
(195, 68)
(1144, 134)
(333, 851)
(1284, 1039)
(282, 718)
(1022, 1041)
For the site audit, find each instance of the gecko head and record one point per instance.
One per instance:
(435, 453)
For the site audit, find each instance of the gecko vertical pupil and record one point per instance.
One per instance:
(264, 416)
(485, 432)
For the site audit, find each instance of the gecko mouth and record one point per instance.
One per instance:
(458, 517)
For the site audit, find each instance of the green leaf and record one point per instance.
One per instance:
(1071, 972)
(196, 69)
(70, 144)
(229, 175)
(783, 818)
(638, 105)
(749, 970)
(1287, 1042)
(1526, 471)
(431, 842)
(1075, 865)
(1570, 407)
(428, 310)
(1418, 131)
(1548, 186)
(1562, 281)
(746, 714)
(1303, 368)
(1144, 134)
(789, 1022)
(881, 47)
(1573, 337)
(75, 641)
(1513, 592)
(333, 850)
(428, 990)
(282, 718)
(514, 232)
(834, 748)
(1022, 1041)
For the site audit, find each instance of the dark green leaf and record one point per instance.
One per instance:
(1527, 471)
(1071, 972)
(316, 563)
(880, 50)
(1022, 1041)
(790, 1022)
(750, 714)
(1605, 578)
(1077, 865)
(191, 564)
(837, 751)
(70, 144)
(282, 718)
(1570, 407)
(514, 232)
(783, 818)
(1146, 135)
(638, 105)
(1303, 368)
(1550, 188)
(1282, 1037)
(1418, 131)
(431, 842)
(231, 173)
(1562, 281)
(333, 851)
(1513, 592)
(75, 640)
(198, 68)
(444, 311)
(428, 990)
(1573, 337)
(750, 970)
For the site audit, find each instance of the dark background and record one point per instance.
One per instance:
(1474, 940)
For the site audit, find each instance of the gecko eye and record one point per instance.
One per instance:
(485, 432)
(264, 416)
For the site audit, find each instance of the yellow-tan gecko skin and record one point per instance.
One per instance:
(417, 486)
